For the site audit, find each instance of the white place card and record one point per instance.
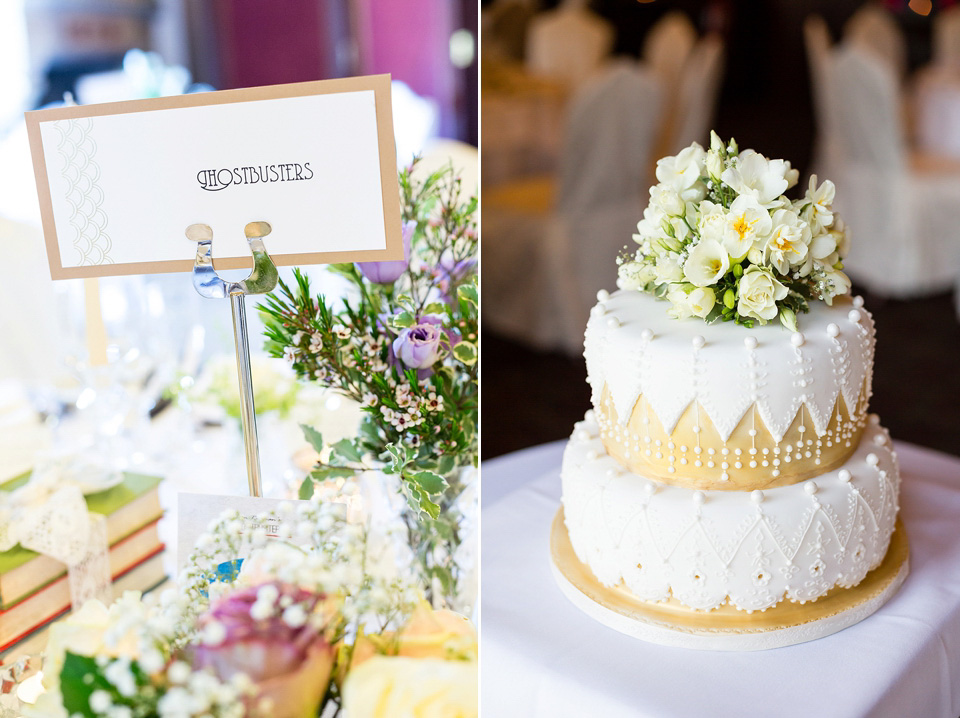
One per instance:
(119, 183)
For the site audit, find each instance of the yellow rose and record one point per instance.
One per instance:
(427, 634)
(391, 686)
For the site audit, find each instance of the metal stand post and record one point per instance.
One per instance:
(262, 279)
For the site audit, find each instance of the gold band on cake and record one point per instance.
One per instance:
(695, 456)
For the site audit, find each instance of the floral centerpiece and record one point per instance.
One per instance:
(315, 621)
(721, 241)
(405, 347)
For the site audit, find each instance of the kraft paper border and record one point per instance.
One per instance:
(380, 84)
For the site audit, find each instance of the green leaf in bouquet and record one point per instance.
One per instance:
(469, 293)
(322, 473)
(346, 449)
(398, 458)
(466, 352)
(76, 688)
(306, 489)
(403, 320)
(435, 308)
(446, 464)
(429, 481)
(313, 437)
(429, 507)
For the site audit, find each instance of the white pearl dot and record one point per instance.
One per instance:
(724, 476)
(738, 465)
(797, 339)
(683, 448)
(844, 475)
(753, 464)
(698, 463)
(646, 335)
(612, 472)
(858, 302)
(613, 322)
(854, 316)
(776, 472)
(752, 432)
(833, 330)
(670, 469)
(698, 342)
(810, 487)
(698, 497)
(750, 342)
(696, 430)
(872, 459)
(756, 496)
(603, 295)
(583, 435)
(710, 464)
(650, 489)
(592, 454)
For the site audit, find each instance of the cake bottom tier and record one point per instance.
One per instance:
(751, 550)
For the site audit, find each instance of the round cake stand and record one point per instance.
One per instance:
(725, 628)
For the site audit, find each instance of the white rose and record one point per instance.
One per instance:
(754, 175)
(391, 686)
(759, 293)
(683, 171)
(707, 263)
(788, 244)
(668, 199)
(668, 269)
(747, 223)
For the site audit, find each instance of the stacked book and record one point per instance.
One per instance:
(34, 589)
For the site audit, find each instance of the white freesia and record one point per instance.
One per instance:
(823, 245)
(701, 301)
(712, 223)
(681, 230)
(651, 226)
(747, 223)
(714, 165)
(668, 269)
(759, 293)
(668, 200)
(707, 263)
(683, 171)
(680, 308)
(816, 203)
(841, 235)
(789, 241)
(754, 175)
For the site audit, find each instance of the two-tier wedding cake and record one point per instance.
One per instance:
(729, 489)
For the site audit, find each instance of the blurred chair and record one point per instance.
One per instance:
(902, 206)
(554, 244)
(569, 43)
(874, 29)
(667, 46)
(816, 37)
(946, 38)
(697, 94)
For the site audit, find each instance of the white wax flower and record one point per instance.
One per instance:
(788, 243)
(835, 283)
(634, 275)
(707, 263)
(759, 293)
(747, 223)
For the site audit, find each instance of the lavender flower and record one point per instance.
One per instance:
(389, 272)
(420, 346)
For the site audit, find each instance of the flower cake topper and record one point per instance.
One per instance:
(720, 240)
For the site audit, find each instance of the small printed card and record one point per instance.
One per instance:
(119, 183)
(196, 511)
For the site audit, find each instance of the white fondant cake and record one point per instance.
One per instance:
(753, 548)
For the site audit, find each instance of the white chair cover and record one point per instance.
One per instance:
(667, 46)
(697, 96)
(550, 264)
(906, 237)
(568, 43)
(946, 38)
(874, 29)
(816, 38)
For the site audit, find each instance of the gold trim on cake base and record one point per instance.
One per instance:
(726, 628)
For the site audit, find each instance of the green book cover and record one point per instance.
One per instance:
(102, 502)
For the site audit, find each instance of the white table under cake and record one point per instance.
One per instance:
(543, 658)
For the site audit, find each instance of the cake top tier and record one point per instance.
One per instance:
(721, 240)
(633, 348)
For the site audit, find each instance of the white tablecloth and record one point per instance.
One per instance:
(542, 657)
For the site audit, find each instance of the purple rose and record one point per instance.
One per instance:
(389, 272)
(419, 346)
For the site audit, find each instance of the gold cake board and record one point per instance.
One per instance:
(726, 628)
